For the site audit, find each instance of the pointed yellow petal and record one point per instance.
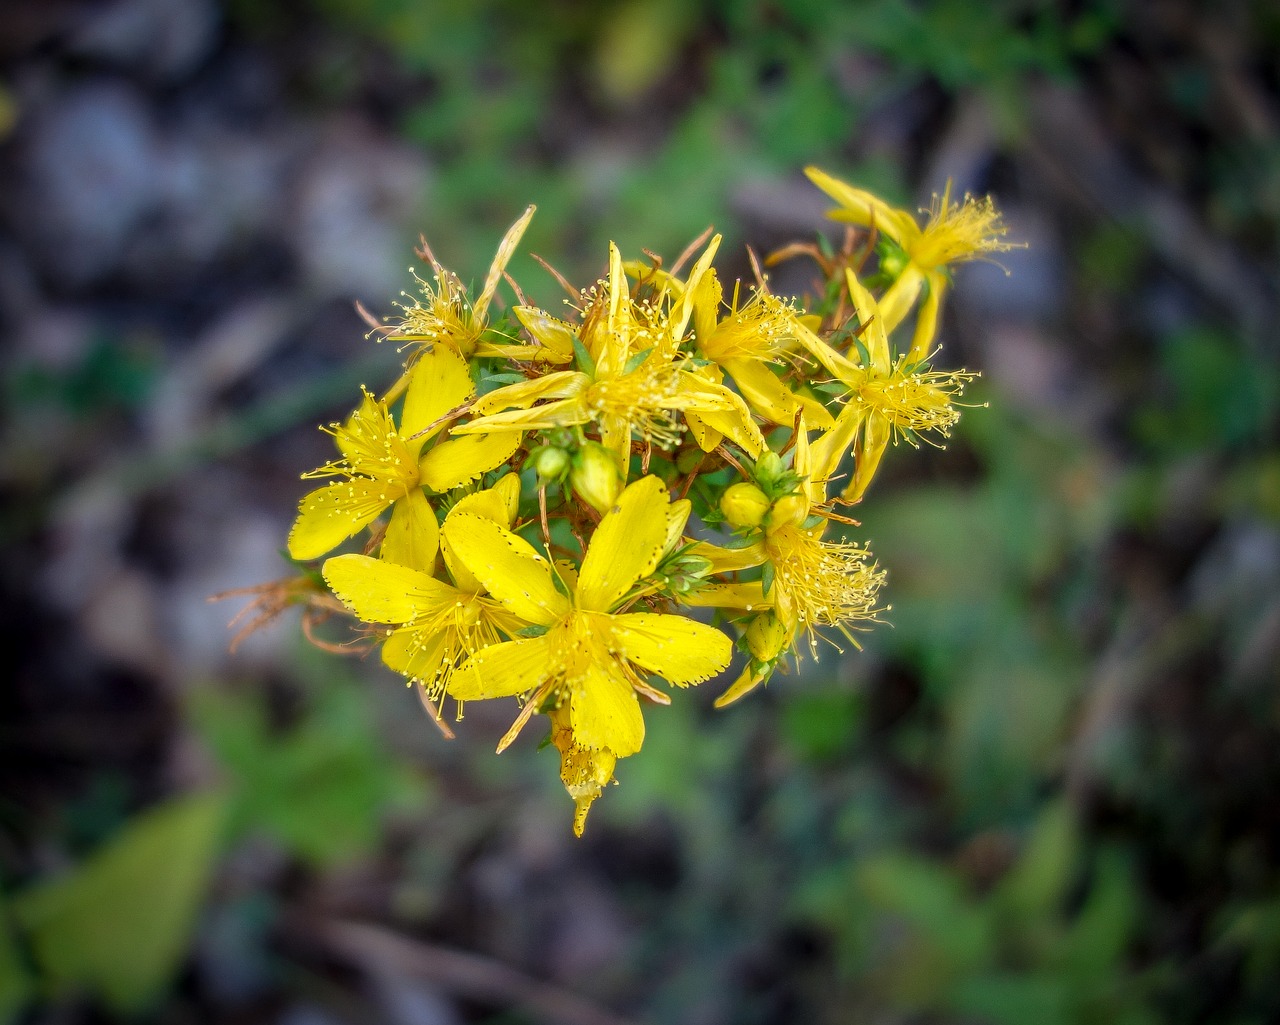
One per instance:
(678, 649)
(875, 327)
(861, 207)
(418, 654)
(548, 331)
(584, 772)
(605, 712)
(506, 249)
(380, 592)
(459, 460)
(439, 382)
(734, 422)
(626, 546)
(871, 446)
(706, 437)
(685, 308)
(927, 318)
(413, 534)
(746, 682)
(563, 413)
(896, 303)
(835, 364)
(706, 306)
(501, 670)
(826, 452)
(508, 567)
(498, 503)
(730, 560)
(330, 515)
(749, 597)
(561, 384)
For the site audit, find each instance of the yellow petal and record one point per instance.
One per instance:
(381, 592)
(605, 712)
(826, 452)
(460, 460)
(506, 249)
(498, 503)
(626, 546)
(730, 560)
(873, 320)
(708, 438)
(706, 306)
(871, 445)
(439, 381)
(684, 310)
(749, 597)
(678, 649)
(508, 566)
(560, 384)
(418, 654)
(746, 682)
(721, 409)
(549, 332)
(413, 534)
(896, 303)
(501, 670)
(927, 319)
(330, 515)
(861, 207)
(561, 413)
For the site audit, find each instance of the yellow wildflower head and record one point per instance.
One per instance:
(956, 232)
(820, 583)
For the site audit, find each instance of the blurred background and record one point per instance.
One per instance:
(1046, 791)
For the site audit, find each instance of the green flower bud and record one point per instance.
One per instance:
(769, 467)
(595, 476)
(744, 505)
(549, 462)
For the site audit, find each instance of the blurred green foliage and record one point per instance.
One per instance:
(320, 785)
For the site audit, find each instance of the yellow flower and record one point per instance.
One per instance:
(438, 626)
(632, 383)
(383, 466)
(887, 398)
(954, 233)
(807, 582)
(746, 341)
(444, 315)
(591, 656)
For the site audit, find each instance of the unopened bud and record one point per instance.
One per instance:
(766, 637)
(595, 476)
(744, 505)
(769, 467)
(789, 509)
(549, 462)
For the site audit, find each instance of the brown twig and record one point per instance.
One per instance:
(379, 951)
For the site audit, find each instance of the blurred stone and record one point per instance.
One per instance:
(412, 1003)
(90, 179)
(120, 621)
(1025, 283)
(162, 39)
(356, 196)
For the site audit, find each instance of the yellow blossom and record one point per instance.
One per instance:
(443, 315)
(954, 233)
(887, 398)
(437, 625)
(591, 656)
(383, 466)
(633, 382)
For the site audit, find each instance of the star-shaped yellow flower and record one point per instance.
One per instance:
(591, 656)
(383, 466)
(633, 380)
(954, 233)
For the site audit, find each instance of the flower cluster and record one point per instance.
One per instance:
(582, 512)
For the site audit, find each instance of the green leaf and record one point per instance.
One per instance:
(636, 360)
(1038, 883)
(119, 925)
(583, 358)
(766, 578)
